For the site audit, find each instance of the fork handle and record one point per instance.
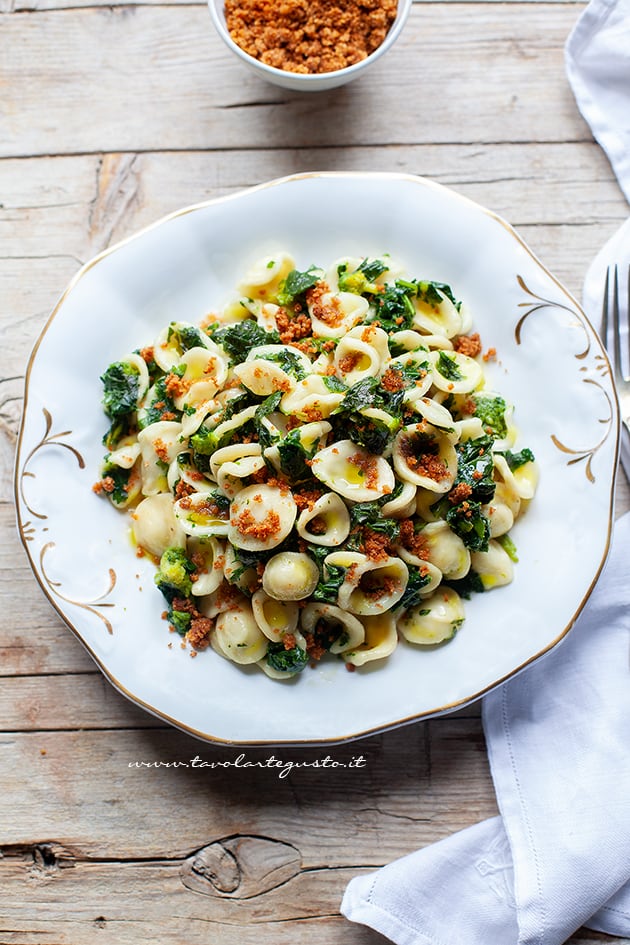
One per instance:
(624, 452)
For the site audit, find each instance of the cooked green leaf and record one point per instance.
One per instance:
(239, 339)
(121, 385)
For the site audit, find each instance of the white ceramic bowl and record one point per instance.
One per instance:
(308, 83)
(550, 365)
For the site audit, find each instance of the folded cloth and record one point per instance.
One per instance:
(616, 250)
(558, 857)
(597, 57)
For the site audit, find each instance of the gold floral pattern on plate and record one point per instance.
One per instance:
(29, 529)
(600, 366)
(48, 439)
(93, 606)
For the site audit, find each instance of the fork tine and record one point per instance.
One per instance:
(606, 328)
(620, 326)
(616, 345)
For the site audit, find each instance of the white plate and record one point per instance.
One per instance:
(550, 365)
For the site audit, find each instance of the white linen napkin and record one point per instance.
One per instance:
(558, 857)
(597, 58)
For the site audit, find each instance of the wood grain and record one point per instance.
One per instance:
(502, 80)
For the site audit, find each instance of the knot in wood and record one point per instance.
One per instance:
(240, 867)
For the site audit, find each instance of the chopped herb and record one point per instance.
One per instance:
(369, 514)
(334, 384)
(293, 455)
(393, 308)
(468, 521)
(475, 467)
(374, 433)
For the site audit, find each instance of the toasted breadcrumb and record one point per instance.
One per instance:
(309, 36)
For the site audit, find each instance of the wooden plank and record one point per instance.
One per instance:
(124, 902)
(79, 205)
(498, 82)
(67, 702)
(404, 794)
(22, 6)
(33, 639)
(197, 855)
(106, 197)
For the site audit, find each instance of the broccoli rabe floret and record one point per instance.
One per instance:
(173, 576)
(179, 620)
(362, 281)
(491, 412)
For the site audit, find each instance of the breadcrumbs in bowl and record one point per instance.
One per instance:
(309, 45)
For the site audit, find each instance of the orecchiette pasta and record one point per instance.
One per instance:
(437, 618)
(318, 468)
(155, 526)
(290, 575)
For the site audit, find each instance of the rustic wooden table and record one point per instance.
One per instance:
(111, 115)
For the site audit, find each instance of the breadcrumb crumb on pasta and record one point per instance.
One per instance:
(392, 380)
(329, 311)
(293, 329)
(413, 541)
(470, 345)
(309, 36)
(249, 526)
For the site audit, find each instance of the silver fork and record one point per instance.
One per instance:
(616, 338)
